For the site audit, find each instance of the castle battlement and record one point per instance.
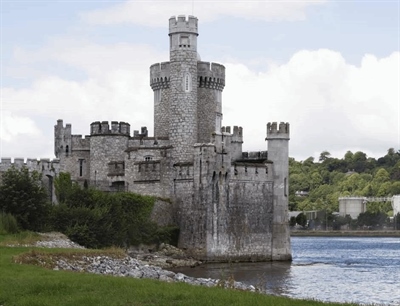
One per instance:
(236, 133)
(182, 24)
(160, 75)
(278, 132)
(211, 75)
(32, 164)
(103, 128)
(255, 155)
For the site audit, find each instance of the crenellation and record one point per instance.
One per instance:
(255, 155)
(115, 127)
(32, 164)
(19, 162)
(160, 76)
(95, 128)
(125, 128)
(281, 131)
(103, 128)
(182, 24)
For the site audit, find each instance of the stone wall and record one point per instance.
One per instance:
(103, 150)
(48, 168)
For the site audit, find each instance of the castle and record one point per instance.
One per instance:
(229, 204)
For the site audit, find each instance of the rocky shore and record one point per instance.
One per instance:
(134, 264)
(131, 267)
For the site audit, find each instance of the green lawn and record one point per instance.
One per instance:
(32, 285)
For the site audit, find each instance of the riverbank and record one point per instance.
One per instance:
(341, 233)
(44, 276)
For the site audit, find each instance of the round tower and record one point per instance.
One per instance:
(159, 82)
(183, 86)
(211, 82)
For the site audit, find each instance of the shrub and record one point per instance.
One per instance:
(97, 219)
(23, 195)
(8, 224)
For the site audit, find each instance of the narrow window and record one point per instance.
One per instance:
(285, 186)
(187, 82)
(81, 167)
(67, 149)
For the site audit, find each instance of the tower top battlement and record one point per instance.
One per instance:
(275, 131)
(182, 25)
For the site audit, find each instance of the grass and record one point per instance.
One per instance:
(21, 238)
(25, 284)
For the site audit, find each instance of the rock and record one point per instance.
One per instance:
(136, 265)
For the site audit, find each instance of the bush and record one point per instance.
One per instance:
(97, 219)
(8, 224)
(23, 196)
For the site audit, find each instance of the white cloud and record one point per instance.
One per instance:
(330, 104)
(19, 135)
(12, 126)
(152, 13)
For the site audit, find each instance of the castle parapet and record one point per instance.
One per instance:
(278, 132)
(211, 75)
(44, 165)
(237, 133)
(103, 128)
(181, 24)
(160, 75)
(19, 162)
(257, 155)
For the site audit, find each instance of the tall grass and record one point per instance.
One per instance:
(23, 238)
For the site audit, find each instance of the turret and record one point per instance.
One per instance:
(160, 83)
(183, 33)
(211, 82)
(278, 152)
(62, 139)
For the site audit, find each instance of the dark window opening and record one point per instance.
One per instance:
(81, 167)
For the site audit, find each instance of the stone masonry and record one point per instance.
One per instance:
(230, 205)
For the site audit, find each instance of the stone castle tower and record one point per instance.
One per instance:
(229, 204)
(187, 92)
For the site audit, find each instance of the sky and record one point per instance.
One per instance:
(329, 68)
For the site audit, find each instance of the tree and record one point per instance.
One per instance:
(23, 196)
(301, 219)
(324, 156)
(372, 219)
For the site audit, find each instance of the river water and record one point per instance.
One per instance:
(363, 270)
